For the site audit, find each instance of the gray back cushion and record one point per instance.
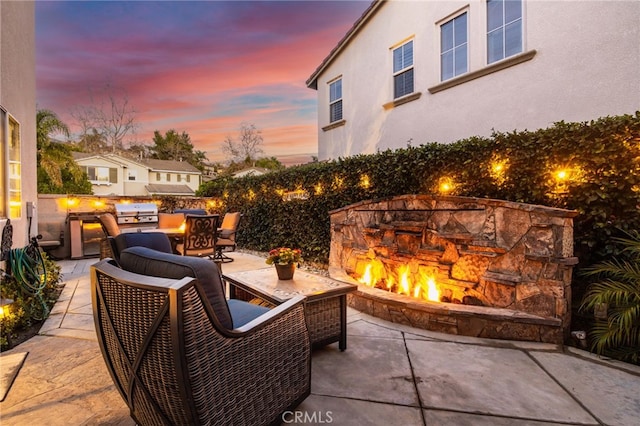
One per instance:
(145, 261)
(153, 240)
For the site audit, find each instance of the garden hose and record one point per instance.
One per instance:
(29, 271)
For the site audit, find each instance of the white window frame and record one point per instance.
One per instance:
(502, 28)
(404, 67)
(13, 164)
(335, 100)
(4, 165)
(102, 175)
(455, 48)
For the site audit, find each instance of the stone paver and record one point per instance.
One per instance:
(613, 396)
(494, 381)
(391, 374)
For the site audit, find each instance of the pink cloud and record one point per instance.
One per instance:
(203, 67)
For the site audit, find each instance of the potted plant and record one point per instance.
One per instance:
(285, 260)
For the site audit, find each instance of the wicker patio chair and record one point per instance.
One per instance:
(173, 362)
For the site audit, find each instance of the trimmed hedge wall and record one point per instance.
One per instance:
(592, 167)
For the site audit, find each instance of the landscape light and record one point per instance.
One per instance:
(5, 307)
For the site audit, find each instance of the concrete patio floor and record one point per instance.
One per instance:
(389, 375)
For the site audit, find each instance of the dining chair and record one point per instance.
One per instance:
(170, 220)
(111, 230)
(109, 224)
(226, 239)
(199, 236)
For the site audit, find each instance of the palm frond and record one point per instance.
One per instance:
(619, 289)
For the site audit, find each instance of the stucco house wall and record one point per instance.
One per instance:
(18, 98)
(580, 61)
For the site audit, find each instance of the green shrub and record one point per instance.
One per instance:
(601, 160)
(618, 291)
(27, 310)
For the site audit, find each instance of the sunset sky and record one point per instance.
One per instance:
(199, 67)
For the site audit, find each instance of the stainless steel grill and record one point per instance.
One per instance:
(136, 213)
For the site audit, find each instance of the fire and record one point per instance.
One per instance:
(424, 288)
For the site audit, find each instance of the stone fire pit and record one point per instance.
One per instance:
(503, 269)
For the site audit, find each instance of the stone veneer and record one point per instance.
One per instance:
(514, 260)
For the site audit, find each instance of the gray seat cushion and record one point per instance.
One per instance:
(145, 261)
(243, 312)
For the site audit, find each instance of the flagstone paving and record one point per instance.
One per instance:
(389, 375)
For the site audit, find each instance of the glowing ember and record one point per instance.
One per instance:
(424, 288)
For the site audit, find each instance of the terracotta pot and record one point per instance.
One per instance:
(285, 272)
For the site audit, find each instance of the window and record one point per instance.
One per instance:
(102, 175)
(453, 47)
(168, 177)
(504, 29)
(403, 70)
(179, 178)
(15, 187)
(3, 164)
(157, 177)
(335, 101)
(188, 178)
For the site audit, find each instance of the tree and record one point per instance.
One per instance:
(92, 142)
(271, 163)
(57, 170)
(110, 116)
(178, 147)
(247, 147)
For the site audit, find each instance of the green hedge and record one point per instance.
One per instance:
(600, 160)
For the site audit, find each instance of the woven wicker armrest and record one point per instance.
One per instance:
(273, 314)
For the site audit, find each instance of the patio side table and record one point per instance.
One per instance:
(325, 304)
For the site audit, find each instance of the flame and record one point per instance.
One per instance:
(366, 277)
(405, 285)
(425, 286)
(433, 293)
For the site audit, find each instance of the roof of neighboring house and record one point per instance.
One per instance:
(169, 166)
(152, 164)
(312, 81)
(114, 158)
(251, 171)
(160, 189)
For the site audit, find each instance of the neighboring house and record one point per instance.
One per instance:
(168, 177)
(112, 174)
(210, 172)
(250, 171)
(18, 153)
(414, 72)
